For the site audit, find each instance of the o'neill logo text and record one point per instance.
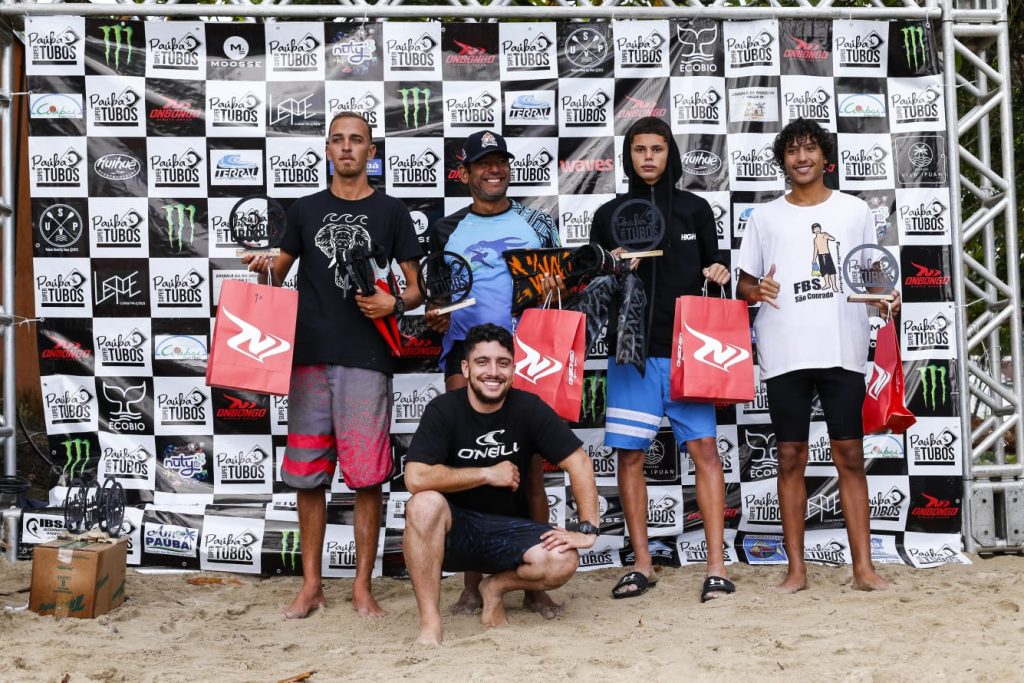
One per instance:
(251, 341)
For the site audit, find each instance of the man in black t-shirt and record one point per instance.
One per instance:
(339, 399)
(468, 512)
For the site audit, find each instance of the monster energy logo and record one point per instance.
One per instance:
(118, 31)
(411, 98)
(176, 214)
(913, 43)
(76, 452)
(593, 397)
(932, 377)
(290, 547)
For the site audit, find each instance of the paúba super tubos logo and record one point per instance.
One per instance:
(469, 55)
(887, 506)
(60, 169)
(294, 54)
(925, 276)
(475, 110)
(489, 446)
(936, 508)
(694, 552)
(933, 449)
(718, 213)
(864, 164)
(754, 50)
(926, 333)
(296, 170)
(182, 408)
(585, 110)
(118, 229)
(832, 552)
(177, 170)
(412, 54)
(641, 51)
(125, 350)
(754, 164)
(698, 107)
(532, 169)
(240, 409)
(177, 52)
(415, 170)
(810, 104)
(127, 463)
(932, 556)
(757, 406)
(922, 106)
(860, 51)
(365, 104)
(763, 509)
(54, 47)
(701, 162)
(115, 109)
(117, 167)
(180, 291)
(603, 459)
(243, 467)
(188, 461)
(806, 50)
(924, 219)
(577, 225)
(65, 290)
(409, 407)
(597, 558)
(819, 452)
(69, 406)
(232, 548)
(528, 54)
(663, 512)
(341, 555)
(243, 111)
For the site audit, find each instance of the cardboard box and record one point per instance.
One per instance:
(78, 577)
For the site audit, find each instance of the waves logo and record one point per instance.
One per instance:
(177, 171)
(933, 449)
(763, 509)
(920, 106)
(585, 110)
(865, 164)
(243, 467)
(756, 50)
(234, 112)
(127, 463)
(528, 54)
(641, 52)
(413, 54)
(698, 108)
(183, 409)
(831, 552)
(54, 48)
(754, 164)
(475, 111)
(415, 170)
(123, 350)
(295, 55)
(366, 105)
(296, 170)
(77, 453)
(232, 548)
(860, 51)
(60, 169)
(176, 53)
(532, 169)
(180, 291)
(116, 109)
(697, 47)
(64, 290)
(812, 105)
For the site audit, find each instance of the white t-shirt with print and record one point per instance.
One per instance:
(814, 325)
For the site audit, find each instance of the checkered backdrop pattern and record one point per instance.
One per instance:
(144, 135)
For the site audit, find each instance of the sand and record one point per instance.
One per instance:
(951, 623)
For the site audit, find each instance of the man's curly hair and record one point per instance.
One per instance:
(798, 129)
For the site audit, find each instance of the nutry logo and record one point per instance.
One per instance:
(125, 463)
(716, 353)
(235, 111)
(751, 50)
(180, 53)
(491, 445)
(763, 509)
(180, 291)
(413, 54)
(115, 109)
(188, 461)
(415, 170)
(663, 512)
(182, 408)
(117, 167)
(54, 47)
(917, 107)
(126, 350)
(832, 552)
(475, 110)
(124, 417)
(252, 342)
(243, 467)
(166, 539)
(231, 548)
(365, 104)
(354, 50)
(177, 170)
(528, 54)
(585, 110)
(809, 104)
(887, 505)
(61, 290)
(697, 48)
(300, 54)
(296, 170)
(933, 449)
(535, 366)
(924, 219)
(531, 169)
(865, 164)
(641, 51)
(60, 169)
(860, 51)
(698, 107)
(701, 162)
(926, 334)
(69, 406)
(755, 164)
(341, 555)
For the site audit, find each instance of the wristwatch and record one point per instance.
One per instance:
(588, 528)
(399, 309)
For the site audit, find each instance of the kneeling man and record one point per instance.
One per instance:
(467, 512)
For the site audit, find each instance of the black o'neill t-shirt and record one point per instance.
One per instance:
(452, 433)
(330, 328)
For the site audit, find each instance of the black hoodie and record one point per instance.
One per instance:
(690, 245)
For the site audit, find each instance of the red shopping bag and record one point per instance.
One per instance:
(884, 406)
(712, 361)
(550, 347)
(253, 338)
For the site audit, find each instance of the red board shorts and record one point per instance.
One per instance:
(341, 414)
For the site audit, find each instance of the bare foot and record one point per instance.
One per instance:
(493, 613)
(304, 603)
(870, 581)
(793, 583)
(365, 605)
(469, 602)
(430, 635)
(541, 603)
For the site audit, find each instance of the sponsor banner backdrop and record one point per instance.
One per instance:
(144, 135)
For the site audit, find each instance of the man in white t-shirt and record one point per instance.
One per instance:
(810, 338)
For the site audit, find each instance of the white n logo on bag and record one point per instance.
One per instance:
(251, 341)
(879, 381)
(535, 366)
(723, 356)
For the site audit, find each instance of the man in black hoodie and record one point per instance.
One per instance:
(636, 403)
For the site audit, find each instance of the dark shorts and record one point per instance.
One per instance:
(842, 397)
(826, 265)
(490, 544)
(453, 361)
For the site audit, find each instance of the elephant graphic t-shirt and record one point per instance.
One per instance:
(321, 226)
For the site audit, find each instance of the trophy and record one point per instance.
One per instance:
(870, 267)
(445, 280)
(638, 227)
(257, 224)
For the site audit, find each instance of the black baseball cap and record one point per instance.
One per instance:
(479, 145)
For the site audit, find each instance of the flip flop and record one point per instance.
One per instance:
(637, 579)
(716, 584)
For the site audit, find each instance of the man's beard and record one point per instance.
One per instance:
(484, 398)
(346, 173)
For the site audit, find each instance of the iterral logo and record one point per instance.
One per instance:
(177, 53)
(531, 108)
(116, 109)
(527, 54)
(417, 170)
(58, 170)
(755, 50)
(70, 406)
(860, 51)
(63, 290)
(296, 170)
(474, 111)
(412, 54)
(123, 350)
(585, 110)
(764, 460)
(244, 467)
(702, 107)
(180, 291)
(177, 171)
(814, 105)
(295, 54)
(642, 51)
(183, 409)
(235, 111)
(54, 47)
